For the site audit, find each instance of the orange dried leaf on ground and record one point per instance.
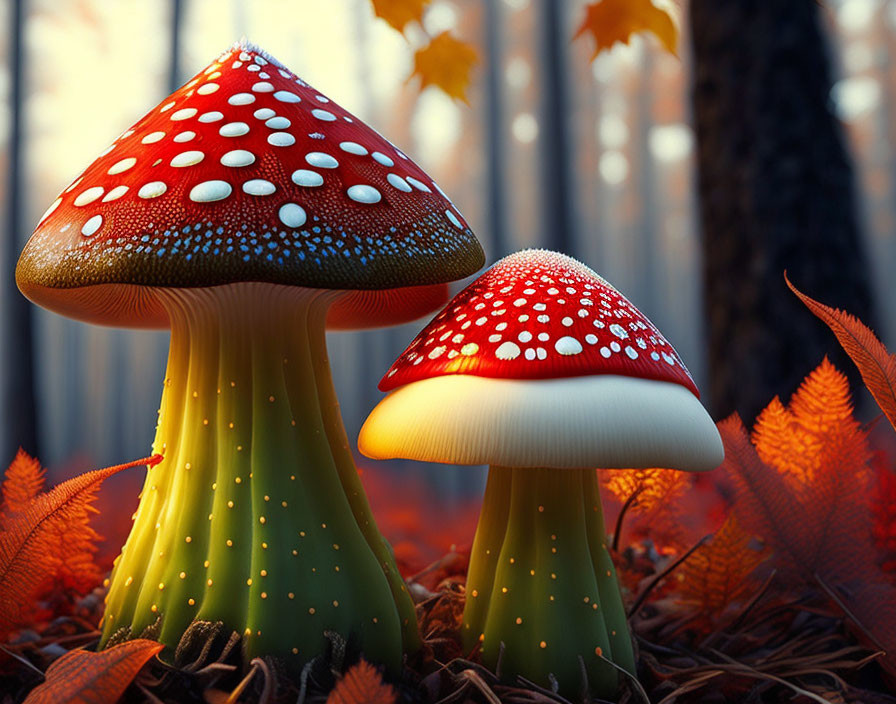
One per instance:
(446, 62)
(362, 684)
(50, 537)
(23, 480)
(876, 365)
(85, 677)
(398, 13)
(720, 573)
(611, 21)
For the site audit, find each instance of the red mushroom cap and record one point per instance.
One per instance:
(538, 314)
(247, 173)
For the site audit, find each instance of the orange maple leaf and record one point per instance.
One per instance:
(398, 13)
(49, 537)
(362, 684)
(611, 21)
(85, 677)
(719, 573)
(876, 365)
(446, 62)
(23, 480)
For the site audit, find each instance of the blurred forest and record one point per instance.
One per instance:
(792, 165)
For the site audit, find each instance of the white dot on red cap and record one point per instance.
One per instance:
(187, 158)
(92, 225)
(264, 113)
(615, 346)
(210, 191)
(281, 139)
(238, 157)
(263, 87)
(292, 215)
(278, 123)
(542, 353)
(153, 189)
(419, 185)
(669, 359)
(590, 339)
(153, 137)
(321, 160)
(530, 354)
(321, 99)
(324, 115)
(631, 352)
(253, 67)
(543, 337)
(568, 345)
(507, 350)
(583, 313)
(241, 99)
(362, 193)
(307, 178)
(212, 116)
(352, 148)
(259, 187)
(501, 326)
(655, 356)
(453, 218)
(524, 336)
(207, 88)
(567, 321)
(50, 210)
(115, 193)
(494, 338)
(185, 137)
(382, 159)
(284, 96)
(398, 182)
(183, 114)
(605, 352)
(553, 292)
(166, 107)
(234, 129)
(618, 331)
(90, 195)
(529, 291)
(539, 306)
(519, 302)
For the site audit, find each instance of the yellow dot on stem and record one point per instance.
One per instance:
(518, 620)
(209, 582)
(129, 581)
(191, 601)
(283, 504)
(182, 575)
(264, 546)
(262, 520)
(188, 539)
(295, 651)
(475, 592)
(161, 586)
(264, 595)
(229, 543)
(512, 560)
(263, 573)
(205, 564)
(504, 590)
(249, 582)
(238, 480)
(335, 546)
(542, 645)
(598, 651)
(153, 608)
(271, 399)
(311, 611)
(587, 599)
(248, 631)
(267, 498)
(295, 552)
(292, 477)
(291, 595)
(541, 509)
(230, 504)
(335, 603)
(532, 572)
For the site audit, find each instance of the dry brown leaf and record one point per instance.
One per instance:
(362, 684)
(611, 21)
(398, 13)
(446, 62)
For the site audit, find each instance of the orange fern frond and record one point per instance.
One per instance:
(362, 684)
(23, 480)
(34, 542)
(876, 365)
(652, 488)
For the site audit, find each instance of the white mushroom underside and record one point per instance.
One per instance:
(604, 421)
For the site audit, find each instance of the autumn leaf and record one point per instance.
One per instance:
(446, 62)
(719, 573)
(362, 684)
(37, 542)
(611, 21)
(654, 496)
(876, 365)
(85, 677)
(399, 13)
(23, 480)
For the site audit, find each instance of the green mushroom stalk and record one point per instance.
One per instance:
(542, 595)
(256, 517)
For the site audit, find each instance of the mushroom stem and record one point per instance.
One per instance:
(541, 581)
(256, 516)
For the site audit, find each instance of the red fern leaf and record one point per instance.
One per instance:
(23, 480)
(362, 684)
(876, 365)
(30, 550)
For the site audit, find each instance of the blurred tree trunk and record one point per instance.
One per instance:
(776, 192)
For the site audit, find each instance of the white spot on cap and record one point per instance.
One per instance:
(542, 353)
(187, 158)
(419, 185)
(281, 139)
(115, 193)
(49, 211)
(352, 148)
(590, 339)
(524, 336)
(238, 157)
(263, 87)
(321, 160)
(615, 346)
(207, 88)
(183, 114)
(324, 115)
(234, 129)
(631, 352)
(567, 321)
(321, 99)
(292, 215)
(121, 166)
(153, 189)
(92, 225)
(185, 136)
(264, 113)
(284, 96)
(605, 352)
(259, 187)
(382, 159)
(307, 178)
(655, 356)
(453, 218)
(618, 331)
(166, 107)
(399, 183)
(669, 359)
(153, 137)
(241, 99)
(469, 349)
(530, 354)
(209, 191)
(362, 193)
(507, 350)
(278, 123)
(90, 195)
(568, 345)
(213, 116)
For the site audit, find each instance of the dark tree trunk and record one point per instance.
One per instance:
(776, 192)
(19, 406)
